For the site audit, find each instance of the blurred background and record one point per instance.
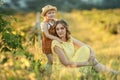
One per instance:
(62, 5)
(94, 22)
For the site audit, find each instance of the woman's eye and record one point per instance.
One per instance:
(62, 28)
(57, 29)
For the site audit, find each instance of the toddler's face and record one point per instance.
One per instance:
(51, 14)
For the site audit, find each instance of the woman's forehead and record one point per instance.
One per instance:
(59, 25)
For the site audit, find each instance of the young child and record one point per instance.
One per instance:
(47, 27)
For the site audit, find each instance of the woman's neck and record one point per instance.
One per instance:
(64, 39)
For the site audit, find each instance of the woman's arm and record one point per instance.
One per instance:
(45, 30)
(65, 61)
(79, 44)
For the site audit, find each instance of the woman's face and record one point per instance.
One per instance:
(51, 14)
(61, 30)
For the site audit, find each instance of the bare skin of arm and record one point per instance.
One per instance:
(65, 61)
(45, 29)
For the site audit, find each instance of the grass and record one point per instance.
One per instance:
(86, 26)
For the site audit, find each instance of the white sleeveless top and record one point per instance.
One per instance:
(42, 25)
(48, 25)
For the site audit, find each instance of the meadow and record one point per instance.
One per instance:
(98, 28)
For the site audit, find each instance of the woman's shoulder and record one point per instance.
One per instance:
(55, 42)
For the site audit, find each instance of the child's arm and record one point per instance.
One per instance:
(45, 30)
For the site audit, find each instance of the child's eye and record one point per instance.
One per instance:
(53, 12)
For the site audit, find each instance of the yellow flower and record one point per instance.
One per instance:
(25, 63)
(22, 33)
(2, 56)
(32, 76)
(14, 32)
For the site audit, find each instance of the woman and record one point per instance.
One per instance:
(65, 57)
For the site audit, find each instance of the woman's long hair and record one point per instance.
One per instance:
(64, 23)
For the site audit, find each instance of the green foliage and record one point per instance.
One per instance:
(21, 60)
(3, 23)
(9, 40)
